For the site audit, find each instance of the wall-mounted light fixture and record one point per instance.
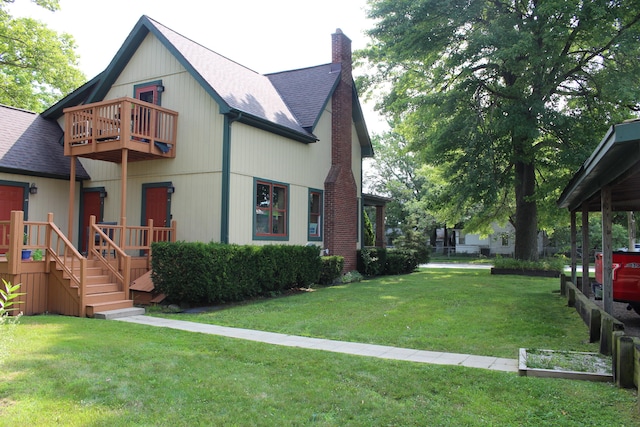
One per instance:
(33, 189)
(159, 88)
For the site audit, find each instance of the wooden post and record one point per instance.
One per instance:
(623, 360)
(47, 242)
(174, 230)
(584, 286)
(607, 254)
(123, 182)
(123, 234)
(92, 239)
(16, 230)
(72, 194)
(574, 248)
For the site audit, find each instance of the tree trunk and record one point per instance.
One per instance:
(526, 223)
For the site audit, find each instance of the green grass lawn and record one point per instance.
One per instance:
(458, 311)
(84, 372)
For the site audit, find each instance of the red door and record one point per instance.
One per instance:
(91, 205)
(11, 199)
(156, 205)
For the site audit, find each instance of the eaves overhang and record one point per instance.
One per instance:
(615, 162)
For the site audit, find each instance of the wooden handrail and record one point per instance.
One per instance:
(120, 120)
(101, 252)
(69, 260)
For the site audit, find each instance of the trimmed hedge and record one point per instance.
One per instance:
(205, 273)
(380, 261)
(331, 269)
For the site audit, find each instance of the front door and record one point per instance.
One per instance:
(13, 197)
(92, 204)
(156, 204)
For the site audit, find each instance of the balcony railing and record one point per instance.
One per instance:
(102, 129)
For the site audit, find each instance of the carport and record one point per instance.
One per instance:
(607, 182)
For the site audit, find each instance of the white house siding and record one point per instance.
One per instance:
(196, 170)
(52, 197)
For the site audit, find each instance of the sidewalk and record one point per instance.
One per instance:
(370, 350)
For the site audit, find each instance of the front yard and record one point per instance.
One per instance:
(79, 372)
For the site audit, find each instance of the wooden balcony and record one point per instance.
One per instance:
(103, 129)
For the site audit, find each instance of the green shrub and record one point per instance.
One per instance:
(351, 277)
(372, 261)
(331, 269)
(400, 261)
(547, 264)
(199, 273)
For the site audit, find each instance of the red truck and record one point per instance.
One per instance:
(626, 278)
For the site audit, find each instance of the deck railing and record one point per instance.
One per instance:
(112, 246)
(120, 123)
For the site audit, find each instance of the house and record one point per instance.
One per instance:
(174, 133)
(500, 242)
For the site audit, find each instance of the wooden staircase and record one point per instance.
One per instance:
(102, 294)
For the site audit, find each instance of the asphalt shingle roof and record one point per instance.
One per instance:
(30, 145)
(289, 103)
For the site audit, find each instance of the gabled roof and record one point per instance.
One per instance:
(307, 91)
(288, 103)
(30, 145)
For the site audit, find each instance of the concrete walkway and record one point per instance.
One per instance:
(370, 350)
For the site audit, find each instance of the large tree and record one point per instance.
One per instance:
(37, 65)
(506, 97)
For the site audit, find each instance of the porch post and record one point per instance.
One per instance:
(72, 194)
(123, 181)
(574, 246)
(607, 253)
(585, 250)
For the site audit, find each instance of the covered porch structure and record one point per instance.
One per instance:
(607, 182)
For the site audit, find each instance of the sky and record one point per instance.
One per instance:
(263, 35)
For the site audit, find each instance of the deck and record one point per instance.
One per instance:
(102, 130)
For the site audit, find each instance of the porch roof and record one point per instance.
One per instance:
(615, 162)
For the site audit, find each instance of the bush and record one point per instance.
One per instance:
(372, 261)
(401, 261)
(331, 269)
(194, 272)
(351, 277)
(547, 264)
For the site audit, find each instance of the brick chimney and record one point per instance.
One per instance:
(341, 194)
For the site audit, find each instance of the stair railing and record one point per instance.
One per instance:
(113, 258)
(67, 257)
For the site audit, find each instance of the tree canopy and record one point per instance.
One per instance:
(37, 65)
(505, 97)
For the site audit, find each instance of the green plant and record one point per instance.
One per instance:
(372, 261)
(548, 264)
(37, 255)
(401, 261)
(7, 297)
(8, 323)
(351, 277)
(199, 273)
(331, 268)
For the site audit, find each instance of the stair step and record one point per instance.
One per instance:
(104, 297)
(99, 288)
(97, 279)
(93, 308)
(120, 313)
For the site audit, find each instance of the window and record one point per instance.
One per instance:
(505, 239)
(315, 215)
(271, 207)
(149, 92)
